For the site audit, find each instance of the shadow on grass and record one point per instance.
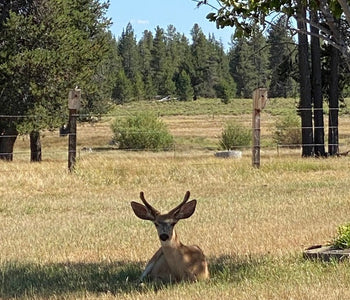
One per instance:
(234, 269)
(21, 279)
(34, 280)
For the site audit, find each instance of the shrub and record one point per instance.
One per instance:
(288, 131)
(235, 136)
(143, 131)
(342, 240)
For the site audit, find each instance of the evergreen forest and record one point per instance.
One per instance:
(165, 63)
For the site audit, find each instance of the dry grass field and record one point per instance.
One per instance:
(74, 236)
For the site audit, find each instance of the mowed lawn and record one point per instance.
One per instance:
(74, 236)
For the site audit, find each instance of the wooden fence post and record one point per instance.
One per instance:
(259, 102)
(73, 106)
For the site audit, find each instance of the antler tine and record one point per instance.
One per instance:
(187, 196)
(149, 206)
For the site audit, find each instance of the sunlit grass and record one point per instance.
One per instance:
(74, 235)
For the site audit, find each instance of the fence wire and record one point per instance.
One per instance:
(96, 138)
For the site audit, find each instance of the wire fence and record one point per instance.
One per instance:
(199, 133)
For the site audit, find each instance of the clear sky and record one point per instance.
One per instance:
(148, 14)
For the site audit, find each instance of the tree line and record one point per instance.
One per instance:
(166, 63)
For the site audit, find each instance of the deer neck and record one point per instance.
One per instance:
(174, 255)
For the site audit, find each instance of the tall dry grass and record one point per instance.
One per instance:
(75, 236)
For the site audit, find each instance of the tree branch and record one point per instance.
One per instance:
(346, 9)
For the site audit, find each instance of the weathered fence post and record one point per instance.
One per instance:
(73, 105)
(259, 102)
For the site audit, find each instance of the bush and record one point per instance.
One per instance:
(235, 136)
(342, 241)
(143, 131)
(288, 131)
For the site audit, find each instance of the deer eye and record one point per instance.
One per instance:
(173, 224)
(156, 224)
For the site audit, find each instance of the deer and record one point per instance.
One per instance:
(174, 261)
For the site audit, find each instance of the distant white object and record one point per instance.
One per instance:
(229, 154)
(87, 149)
(167, 98)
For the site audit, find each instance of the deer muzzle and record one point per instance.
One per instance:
(164, 237)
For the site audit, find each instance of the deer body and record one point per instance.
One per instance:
(174, 261)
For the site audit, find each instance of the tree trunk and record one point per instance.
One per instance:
(333, 93)
(305, 85)
(35, 146)
(317, 89)
(8, 136)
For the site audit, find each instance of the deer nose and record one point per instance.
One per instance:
(163, 237)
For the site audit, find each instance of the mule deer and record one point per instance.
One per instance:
(173, 261)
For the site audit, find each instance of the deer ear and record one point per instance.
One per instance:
(141, 211)
(186, 210)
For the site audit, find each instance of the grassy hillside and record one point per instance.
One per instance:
(196, 125)
(74, 236)
(274, 106)
(204, 107)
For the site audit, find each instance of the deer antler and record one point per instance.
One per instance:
(149, 206)
(187, 196)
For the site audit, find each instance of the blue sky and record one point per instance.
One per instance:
(148, 14)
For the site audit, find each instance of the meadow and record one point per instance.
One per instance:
(74, 236)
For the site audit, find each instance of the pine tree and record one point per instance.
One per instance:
(183, 86)
(185, 61)
(127, 48)
(172, 49)
(122, 91)
(201, 63)
(282, 60)
(47, 50)
(138, 87)
(224, 86)
(158, 63)
(185, 53)
(169, 83)
(249, 63)
(241, 66)
(145, 47)
(98, 100)
(258, 42)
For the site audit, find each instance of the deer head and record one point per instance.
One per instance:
(164, 222)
